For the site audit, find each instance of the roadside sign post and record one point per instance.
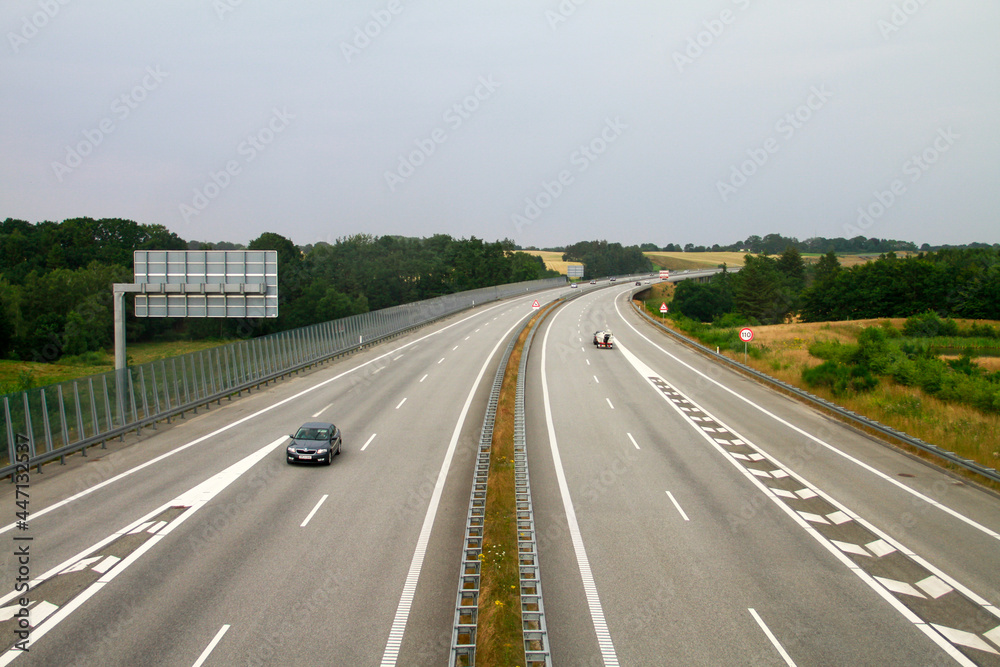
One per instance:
(746, 335)
(195, 283)
(663, 311)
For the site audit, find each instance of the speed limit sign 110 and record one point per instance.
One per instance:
(746, 334)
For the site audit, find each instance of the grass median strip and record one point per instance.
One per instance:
(499, 638)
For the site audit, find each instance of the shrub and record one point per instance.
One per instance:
(981, 331)
(862, 379)
(831, 374)
(928, 325)
(832, 350)
(890, 331)
(874, 352)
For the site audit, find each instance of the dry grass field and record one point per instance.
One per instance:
(958, 428)
(676, 261)
(552, 259)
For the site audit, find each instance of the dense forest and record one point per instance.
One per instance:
(951, 283)
(55, 281)
(601, 258)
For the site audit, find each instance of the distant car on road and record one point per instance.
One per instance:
(314, 441)
(613, 279)
(638, 282)
(593, 282)
(574, 285)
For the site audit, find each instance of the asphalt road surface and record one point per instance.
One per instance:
(721, 523)
(685, 516)
(197, 537)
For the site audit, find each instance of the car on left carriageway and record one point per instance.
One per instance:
(314, 442)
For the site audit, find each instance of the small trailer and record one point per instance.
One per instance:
(604, 339)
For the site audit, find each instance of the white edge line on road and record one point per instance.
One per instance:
(396, 631)
(862, 464)
(774, 640)
(194, 499)
(678, 506)
(368, 442)
(633, 440)
(323, 410)
(401, 403)
(314, 510)
(604, 641)
(211, 646)
(89, 490)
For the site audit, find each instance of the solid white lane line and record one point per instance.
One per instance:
(423, 378)
(401, 404)
(194, 499)
(774, 640)
(197, 441)
(314, 510)
(609, 403)
(633, 440)
(395, 640)
(604, 642)
(678, 506)
(368, 442)
(211, 646)
(831, 448)
(323, 410)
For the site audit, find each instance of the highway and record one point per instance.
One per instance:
(219, 548)
(685, 516)
(721, 523)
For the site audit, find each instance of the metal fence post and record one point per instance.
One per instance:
(62, 415)
(28, 427)
(11, 447)
(80, 429)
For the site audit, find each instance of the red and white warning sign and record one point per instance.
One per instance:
(536, 305)
(663, 308)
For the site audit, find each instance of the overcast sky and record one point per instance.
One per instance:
(546, 122)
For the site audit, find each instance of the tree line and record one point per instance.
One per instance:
(774, 244)
(56, 277)
(769, 290)
(601, 258)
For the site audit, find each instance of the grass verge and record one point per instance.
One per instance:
(499, 635)
(782, 351)
(22, 375)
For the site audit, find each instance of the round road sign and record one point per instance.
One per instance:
(746, 335)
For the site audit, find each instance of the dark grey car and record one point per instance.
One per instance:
(314, 441)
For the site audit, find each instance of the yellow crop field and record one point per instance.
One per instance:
(552, 259)
(694, 260)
